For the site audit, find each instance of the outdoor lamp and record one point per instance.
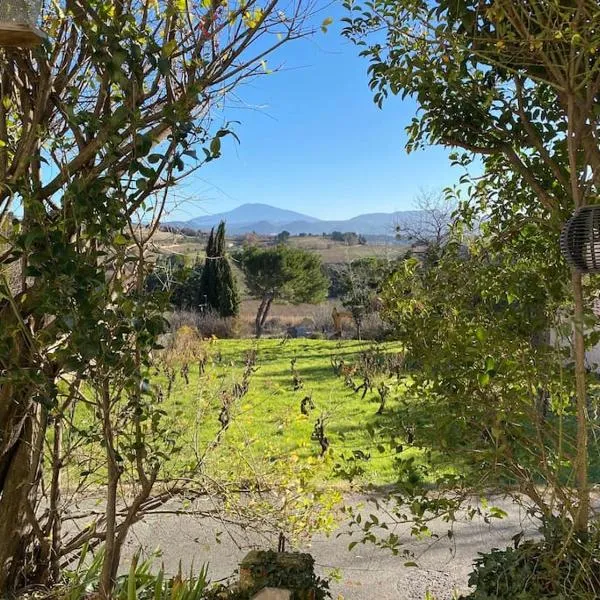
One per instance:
(18, 19)
(580, 240)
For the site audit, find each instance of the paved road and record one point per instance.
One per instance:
(367, 573)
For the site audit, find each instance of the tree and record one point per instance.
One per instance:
(361, 282)
(282, 237)
(477, 399)
(181, 283)
(186, 290)
(433, 227)
(282, 273)
(350, 238)
(217, 283)
(96, 125)
(514, 83)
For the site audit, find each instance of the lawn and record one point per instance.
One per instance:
(267, 424)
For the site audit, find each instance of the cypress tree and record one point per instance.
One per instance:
(218, 284)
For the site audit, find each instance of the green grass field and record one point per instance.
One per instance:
(267, 423)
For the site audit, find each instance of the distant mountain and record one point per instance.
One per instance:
(243, 217)
(269, 220)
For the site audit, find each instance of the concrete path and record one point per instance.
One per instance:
(367, 572)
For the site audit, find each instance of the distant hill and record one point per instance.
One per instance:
(264, 219)
(245, 216)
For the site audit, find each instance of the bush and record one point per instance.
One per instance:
(536, 571)
(180, 318)
(183, 346)
(375, 328)
(321, 316)
(207, 324)
(274, 325)
(293, 571)
(211, 324)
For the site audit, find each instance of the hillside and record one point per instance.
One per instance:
(248, 215)
(264, 219)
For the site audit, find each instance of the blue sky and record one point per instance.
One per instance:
(312, 140)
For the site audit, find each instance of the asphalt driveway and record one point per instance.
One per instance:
(366, 571)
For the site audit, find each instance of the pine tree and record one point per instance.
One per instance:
(218, 284)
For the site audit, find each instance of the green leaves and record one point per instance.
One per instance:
(292, 274)
(483, 379)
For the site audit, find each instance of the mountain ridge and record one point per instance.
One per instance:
(265, 219)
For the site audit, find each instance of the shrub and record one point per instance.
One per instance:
(211, 324)
(207, 324)
(321, 315)
(179, 318)
(536, 571)
(273, 325)
(375, 328)
(283, 570)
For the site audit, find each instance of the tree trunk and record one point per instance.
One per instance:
(111, 551)
(18, 484)
(258, 321)
(263, 311)
(55, 520)
(581, 473)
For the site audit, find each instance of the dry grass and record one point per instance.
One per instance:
(315, 317)
(338, 252)
(207, 325)
(330, 251)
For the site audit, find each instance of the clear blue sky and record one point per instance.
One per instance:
(312, 140)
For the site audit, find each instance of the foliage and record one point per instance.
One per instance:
(283, 273)
(476, 325)
(491, 397)
(272, 569)
(180, 282)
(96, 125)
(282, 237)
(535, 570)
(141, 582)
(361, 283)
(510, 83)
(217, 283)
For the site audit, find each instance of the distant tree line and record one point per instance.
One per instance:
(350, 238)
(182, 230)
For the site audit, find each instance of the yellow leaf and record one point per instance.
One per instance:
(169, 47)
(326, 23)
